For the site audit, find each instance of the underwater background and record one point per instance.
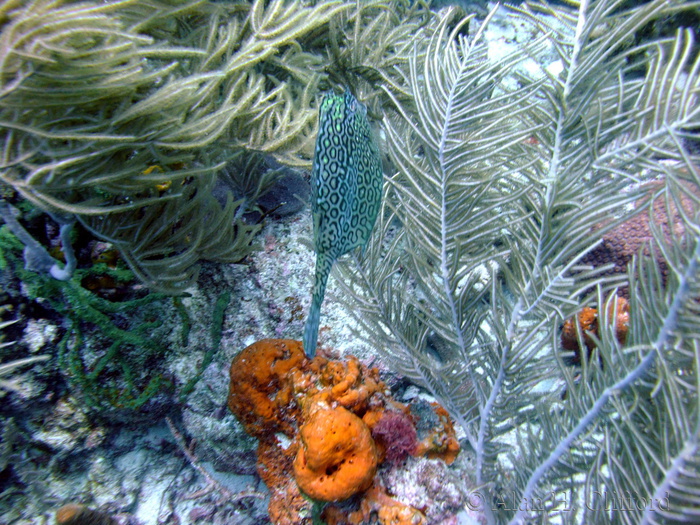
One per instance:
(508, 195)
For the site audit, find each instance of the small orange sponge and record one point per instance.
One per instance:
(337, 457)
(587, 318)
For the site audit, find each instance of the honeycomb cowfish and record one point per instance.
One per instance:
(346, 191)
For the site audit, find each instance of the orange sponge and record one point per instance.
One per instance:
(259, 395)
(337, 457)
(587, 320)
(75, 514)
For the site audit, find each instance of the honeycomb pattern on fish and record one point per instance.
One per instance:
(346, 190)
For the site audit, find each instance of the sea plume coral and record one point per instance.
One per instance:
(182, 85)
(503, 164)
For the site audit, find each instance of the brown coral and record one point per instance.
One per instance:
(587, 320)
(337, 457)
(623, 242)
(259, 394)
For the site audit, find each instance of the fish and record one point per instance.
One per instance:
(346, 192)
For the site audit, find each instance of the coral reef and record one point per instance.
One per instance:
(498, 165)
(131, 464)
(316, 421)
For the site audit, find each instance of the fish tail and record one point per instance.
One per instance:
(323, 270)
